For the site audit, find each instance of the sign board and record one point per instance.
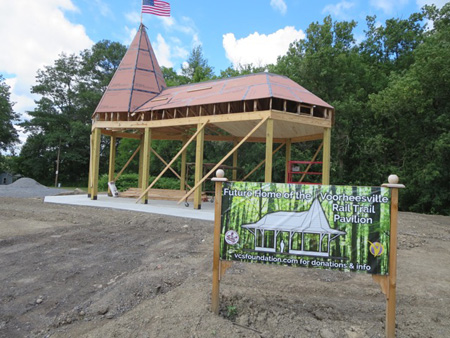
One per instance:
(343, 228)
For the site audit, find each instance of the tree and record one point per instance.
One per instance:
(412, 117)
(197, 68)
(8, 134)
(70, 91)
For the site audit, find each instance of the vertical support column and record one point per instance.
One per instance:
(235, 162)
(96, 138)
(288, 158)
(147, 140)
(326, 156)
(199, 167)
(141, 160)
(112, 161)
(91, 149)
(269, 150)
(183, 167)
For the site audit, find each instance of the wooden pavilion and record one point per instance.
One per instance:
(260, 107)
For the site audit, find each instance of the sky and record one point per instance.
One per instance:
(34, 33)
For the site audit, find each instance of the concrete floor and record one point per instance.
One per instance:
(170, 208)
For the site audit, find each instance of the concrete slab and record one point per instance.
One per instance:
(170, 208)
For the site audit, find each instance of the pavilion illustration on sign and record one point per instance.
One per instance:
(311, 223)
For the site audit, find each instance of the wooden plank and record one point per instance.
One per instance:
(269, 149)
(183, 167)
(165, 163)
(310, 164)
(261, 163)
(95, 163)
(288, 159)
(112, 161)
(187, 121)
(173, 160)
(146, 162)
(235, 162)
(199, 166)
(225, 158)
(326, 156)
(128, 162)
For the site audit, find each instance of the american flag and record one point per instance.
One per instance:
(156, 7)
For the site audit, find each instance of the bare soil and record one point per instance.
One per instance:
(69, 271)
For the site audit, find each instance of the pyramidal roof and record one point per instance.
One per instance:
(137, 80)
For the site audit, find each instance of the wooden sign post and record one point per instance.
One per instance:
(389, 283)
(219, 179)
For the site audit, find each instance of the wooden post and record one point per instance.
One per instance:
(219, 179)
(141, 160)
(391, 285)
(112, 161)
(183, 167)
(199, 167)
(146, 163)
(223, 159)
(91, 149)
(269, 149)
(235, 161)
(96, 138)
(288, 158)
(326, 160)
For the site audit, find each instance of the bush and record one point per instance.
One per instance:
(127, 181)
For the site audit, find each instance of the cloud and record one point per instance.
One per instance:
(279, 5)
(388, 6)
(438, 3)
(33, 34)
(162, 51)
(259, 49)
(339, 9)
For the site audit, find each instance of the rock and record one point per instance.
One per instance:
(326, 333)
(39, 300)
(102, 310)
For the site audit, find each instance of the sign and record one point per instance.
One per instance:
(113, 189)
(327, 227)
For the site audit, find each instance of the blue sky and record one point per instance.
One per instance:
(34, 33)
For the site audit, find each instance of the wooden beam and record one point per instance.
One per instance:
(224, 159)
(112, 161)
(190, 121)
(146, 162)
(261, 163)
(199, 167)
(91, 148)
(141, 160)
(183, 167)
(326, 156)
(165, 163)
(96, 162)
(310, 164)
(235, 162)
(269, 149)
(307, 138)
(126, 164)
(173, 160)
(288, 159)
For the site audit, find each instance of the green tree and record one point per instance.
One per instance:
(70, 90)
(412, 117)
(197, 68)
(8, 134)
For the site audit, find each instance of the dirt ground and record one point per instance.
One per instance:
(69, 271)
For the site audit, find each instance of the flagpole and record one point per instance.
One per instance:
(142, 3)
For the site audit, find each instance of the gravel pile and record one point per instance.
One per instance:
(27, 187)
